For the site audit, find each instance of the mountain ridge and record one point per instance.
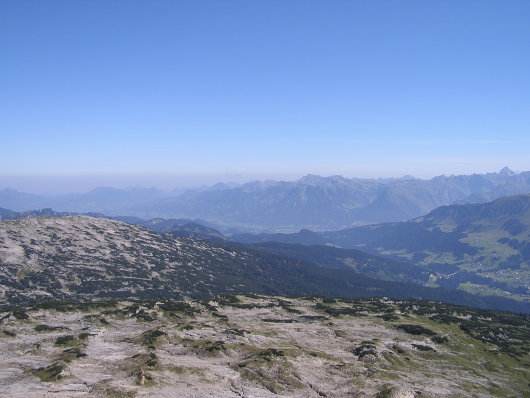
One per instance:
(313, 202)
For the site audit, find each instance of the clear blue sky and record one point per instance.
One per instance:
(239, 89)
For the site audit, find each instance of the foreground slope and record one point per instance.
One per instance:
(257, 346)
(82, 258)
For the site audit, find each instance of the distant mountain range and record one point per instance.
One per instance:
(79, 258)
(313, 202)
(482, 248)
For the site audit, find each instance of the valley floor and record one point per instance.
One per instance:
(257, 346)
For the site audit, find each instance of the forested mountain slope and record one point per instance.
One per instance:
(83, 258)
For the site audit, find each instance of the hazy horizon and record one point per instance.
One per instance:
(64, 184)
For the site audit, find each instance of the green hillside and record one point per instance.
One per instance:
(481, 248)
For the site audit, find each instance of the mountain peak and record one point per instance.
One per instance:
(315, 180)
(310, 179)
(506, 172)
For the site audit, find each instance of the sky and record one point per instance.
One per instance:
(182, 93)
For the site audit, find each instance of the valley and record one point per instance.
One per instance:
(480, 248)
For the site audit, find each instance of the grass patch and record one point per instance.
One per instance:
(49, 373)
(150, 337)
(389, 317)
(415, 330)
(237, 332)
(85, 335)
(47, 328)
(70, 353)
(277, 376)
(208, 346)
(364, 349)
(271, 320)
(64, 340)
(20, 314)
(440, 339)
(178, 306)
(422, 347)
(270, 353)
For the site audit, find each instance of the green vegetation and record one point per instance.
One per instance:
(272, 320)
(20, 314)
(415, 329)
(336, 311)
(238, 332)
(150, 337)
(389, 317)
(480, 248)
(440, 339)
(422, 347)
(49, 373)
(212, 346)
(269, 353)
(47, 328)
(70, 353)
(178, 307)
(365, 348)
(152, 361)
(64, 340)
